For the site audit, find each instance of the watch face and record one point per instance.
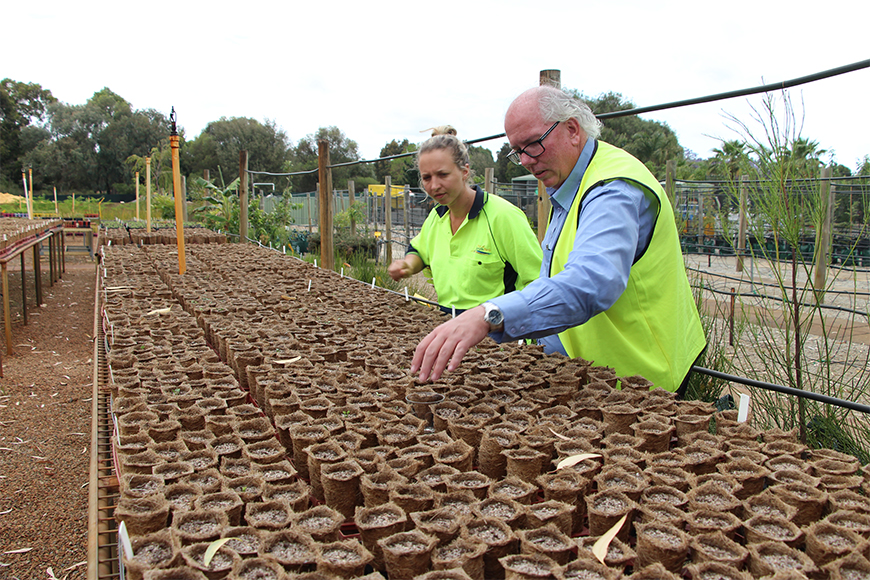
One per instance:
(494, 317)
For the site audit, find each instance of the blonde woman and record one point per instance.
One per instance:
(477, 245)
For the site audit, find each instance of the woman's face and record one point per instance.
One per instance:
(442, 179)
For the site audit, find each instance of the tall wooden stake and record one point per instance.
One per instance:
(308, 206)
(30, 199)
(243, 196)
(388, 220)
(350, 200)
(406, 198)
(26, 195)
(324, 194)
(174, 144)
(147, 195)
(823, 235)
(741, 222)
(551, 77)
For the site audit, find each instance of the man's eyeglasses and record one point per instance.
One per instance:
(533, 149)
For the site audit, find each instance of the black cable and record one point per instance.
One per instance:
(811, 179)
(628, 112)
(778, 299)
(786, 390)
(721, 96)
(742, 92)
(769, 285)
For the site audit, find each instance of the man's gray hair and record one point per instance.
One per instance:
(557, 105)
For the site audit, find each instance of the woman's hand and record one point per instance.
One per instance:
(399, 269)
(405, 267)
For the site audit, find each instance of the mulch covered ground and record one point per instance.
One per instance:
(45, 419)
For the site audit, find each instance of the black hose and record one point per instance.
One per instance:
(786, 390)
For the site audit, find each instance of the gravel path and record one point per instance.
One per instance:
(45, 405)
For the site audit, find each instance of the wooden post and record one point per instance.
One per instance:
(175, 144)
(6, 313)
(488, 184)
(56, 211)
(30, 199)
(671, 181)
(243, 196)
(369, 212)
(147, 195)
(37, 271)
(741, 222)
(551, 77)
(388, 220)
(823, 234)
(74, 204)
(375, 207)
(137, 196)
(51, 260)
(23, 290)
(26, 195)
(308, 205)
(206, 174)
(350, 201)
(327, 254)
(406, 198)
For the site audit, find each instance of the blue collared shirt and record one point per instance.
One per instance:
(614, 230)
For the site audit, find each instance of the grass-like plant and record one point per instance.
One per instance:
(781, 210)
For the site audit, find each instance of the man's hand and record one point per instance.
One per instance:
(448, 344)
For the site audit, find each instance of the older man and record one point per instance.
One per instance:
(613, 286)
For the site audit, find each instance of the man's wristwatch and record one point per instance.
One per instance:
(493, 316)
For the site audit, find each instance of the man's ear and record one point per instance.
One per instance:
(576, 134)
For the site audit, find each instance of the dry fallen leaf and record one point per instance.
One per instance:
(212, 550)
(160, 311)
(600, 547)
(18, 551)
(288, 361)
(559, 435)
(575, 459)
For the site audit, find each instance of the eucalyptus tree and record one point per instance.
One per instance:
(87, 146)
(402, 170)
(219, 144)
(23, 108)
(304, 157)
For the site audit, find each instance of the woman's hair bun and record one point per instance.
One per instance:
(441, 130)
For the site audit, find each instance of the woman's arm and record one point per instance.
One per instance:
(405, 267)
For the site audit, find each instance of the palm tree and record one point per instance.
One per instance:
(806, 156)
(729, 157)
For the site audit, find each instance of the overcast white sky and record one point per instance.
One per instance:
(383, 70)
